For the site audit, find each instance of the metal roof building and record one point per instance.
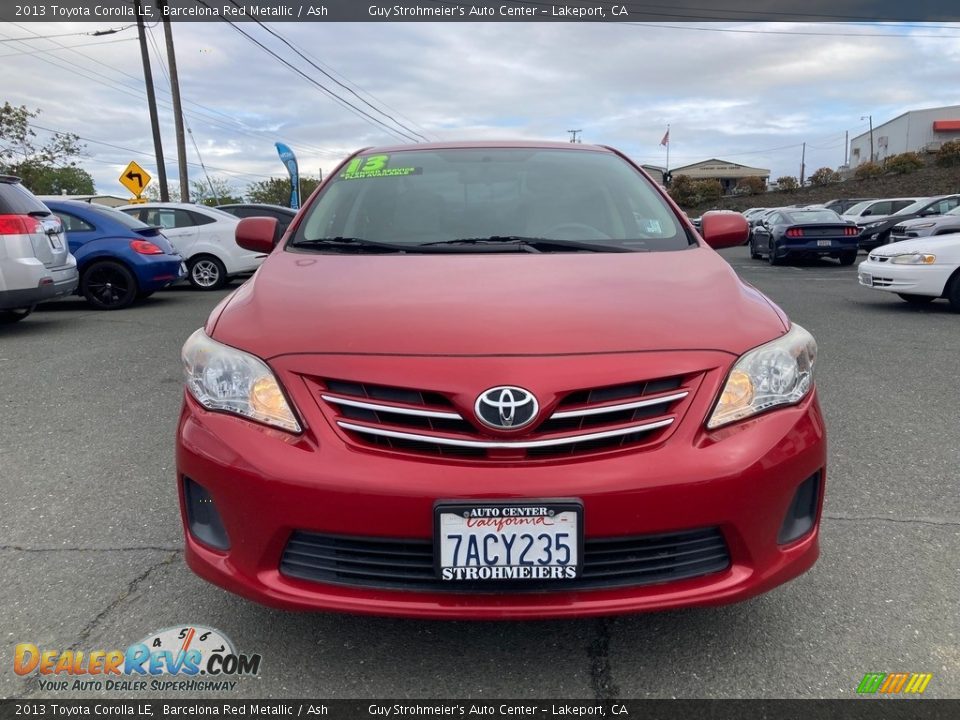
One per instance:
(913, 131)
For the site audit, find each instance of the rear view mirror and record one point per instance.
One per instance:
(257, 234)
(721, 229)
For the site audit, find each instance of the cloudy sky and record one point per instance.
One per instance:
(750, 93)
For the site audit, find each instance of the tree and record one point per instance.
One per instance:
(276, 191)
(69, 180)
(868, 170)
(751, 186)
(221, 193)
(824, 176)
(43, 168)
(949, 154)
(152, 191)
(682, 190)
(904, 163)
(787, 182)
(707, 190)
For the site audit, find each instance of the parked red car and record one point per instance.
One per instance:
(498, 380)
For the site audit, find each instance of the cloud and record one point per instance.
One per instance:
(752, 97)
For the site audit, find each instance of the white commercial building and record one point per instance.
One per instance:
(914, 131)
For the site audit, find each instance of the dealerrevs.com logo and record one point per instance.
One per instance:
(189, 658)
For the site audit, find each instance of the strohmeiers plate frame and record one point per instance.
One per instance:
(459, 506)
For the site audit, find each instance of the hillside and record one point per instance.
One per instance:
(930, 180)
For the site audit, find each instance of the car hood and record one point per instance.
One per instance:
(930, 244)
(495, 304)
(937, 220)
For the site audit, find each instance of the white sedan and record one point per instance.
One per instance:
(205, 236)
(919, 270)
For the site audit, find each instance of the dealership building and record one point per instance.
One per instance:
(726, 172)
(914, 131)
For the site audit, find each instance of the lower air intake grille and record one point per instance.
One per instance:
(408, 564)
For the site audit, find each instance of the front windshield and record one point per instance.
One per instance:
(813, 216)
(913, 208)
(415, 197)
(859, 207)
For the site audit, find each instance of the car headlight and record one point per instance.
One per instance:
(921, 225)
(873, 226)
(777, 373)
(914, 259)
(223, 378)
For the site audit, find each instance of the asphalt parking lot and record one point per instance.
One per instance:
(90, 545)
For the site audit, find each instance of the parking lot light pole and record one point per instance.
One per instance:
(870, 118)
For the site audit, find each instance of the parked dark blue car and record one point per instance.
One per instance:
(790, 233)
(121, 260)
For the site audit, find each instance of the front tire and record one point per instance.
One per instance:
(108, 285)
(916, 299)
(754, 255)
(8, 317)
(953, 293)
(848, 258)
(207, 273)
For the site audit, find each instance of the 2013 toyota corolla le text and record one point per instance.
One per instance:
(498, 380)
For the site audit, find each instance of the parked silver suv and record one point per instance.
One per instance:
(35, 261)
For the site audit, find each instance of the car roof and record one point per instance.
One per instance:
(490, 144)
(265, 206)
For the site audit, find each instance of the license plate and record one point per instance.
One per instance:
(55, 242)
(531, 540)
(866, 279)
(824, 243)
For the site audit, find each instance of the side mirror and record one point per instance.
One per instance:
(257, 234)
(866, 212)
(721, 230)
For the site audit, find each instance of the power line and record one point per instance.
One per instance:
(312, 81)
(95, 33)
(344, 86)
(65, 47)
(365, 92)
(142, 152)
(785, 32)
(140, 93)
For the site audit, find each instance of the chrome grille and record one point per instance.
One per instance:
(582, 421)
(408, 564)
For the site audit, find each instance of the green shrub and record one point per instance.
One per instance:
(868, 170)
(903, 164)
(824, 176)
(787, 182)
(750, 186)
(949, 154)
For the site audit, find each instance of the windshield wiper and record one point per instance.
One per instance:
(350, 243)
(536, 243)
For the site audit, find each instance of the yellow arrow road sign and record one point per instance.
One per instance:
(134, 178)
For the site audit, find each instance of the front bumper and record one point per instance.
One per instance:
(930, 280)
(267, 484)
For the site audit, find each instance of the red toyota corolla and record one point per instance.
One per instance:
(498, 380)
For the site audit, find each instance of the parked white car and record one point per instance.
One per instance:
(873, 210)
(205, 236)
(919, 270)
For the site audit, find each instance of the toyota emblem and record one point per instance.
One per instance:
(506, 407)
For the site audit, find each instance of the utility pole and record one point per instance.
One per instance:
(870, 118)
(803, 163)
(573, 135)
(846, 147)
(177, 108)
(152, 102)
